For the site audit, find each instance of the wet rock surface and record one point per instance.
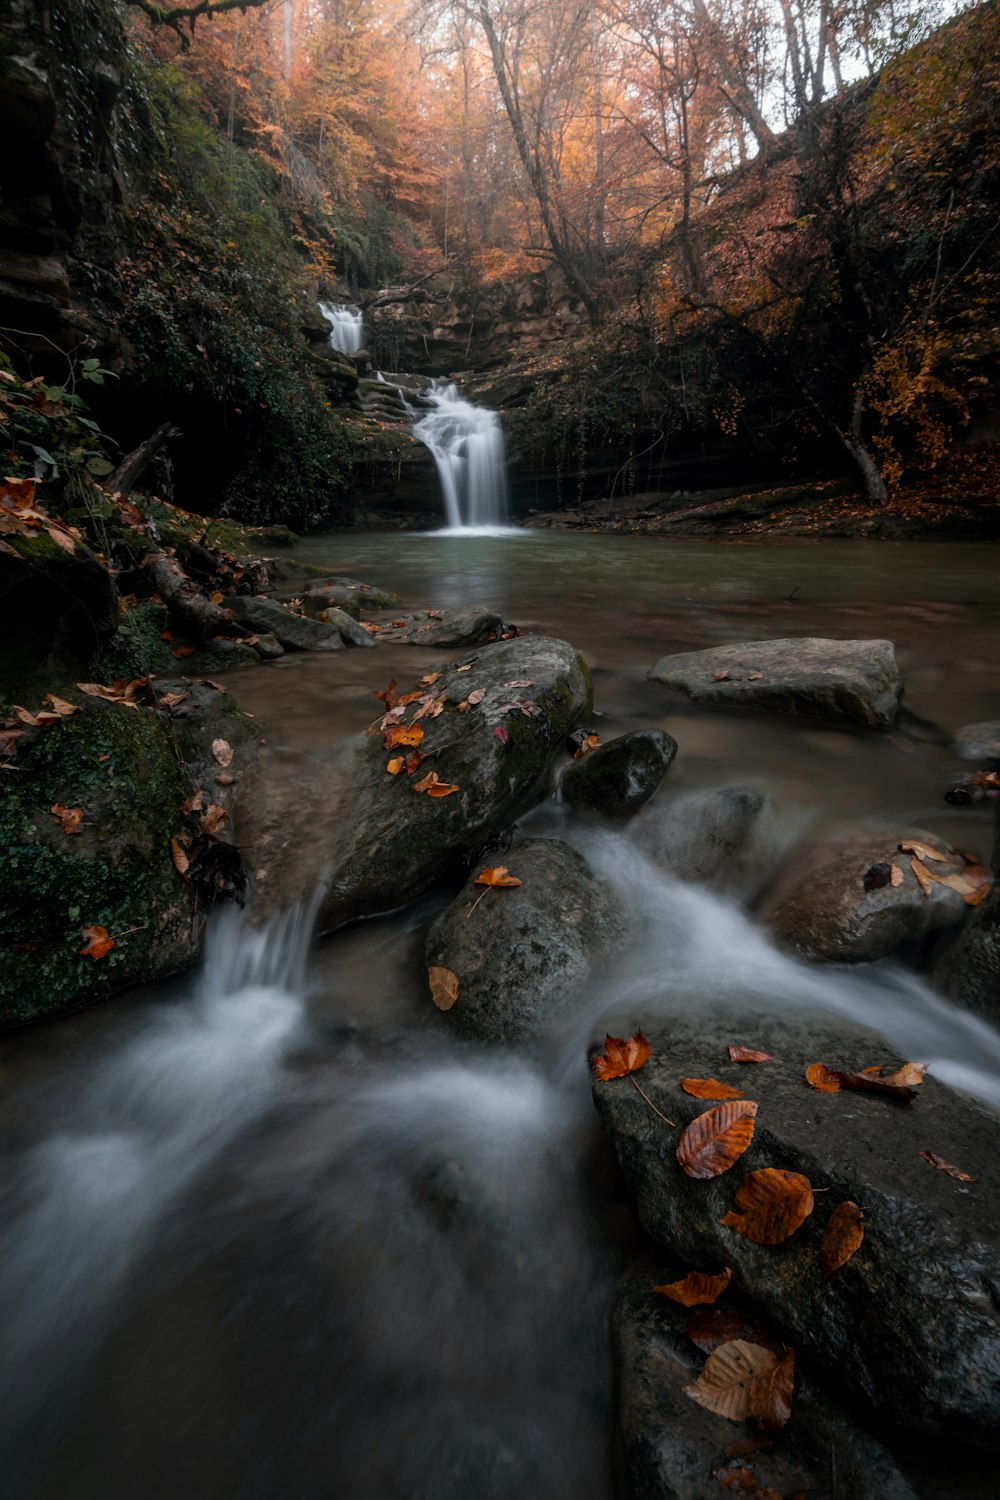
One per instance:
(829, 915)
(291, 630)
(910, 1323)
(854, 680)
(499, 752)
(521, 953)
(979, 741)
(354, 598)
(468, 626)
(725, 837)
(620, 777)
(673, 1449)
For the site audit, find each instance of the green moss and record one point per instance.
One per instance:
(136, 649)
(119, 766)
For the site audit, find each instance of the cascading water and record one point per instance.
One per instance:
(347, 326)
(468, 447)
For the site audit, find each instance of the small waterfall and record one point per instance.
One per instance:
(347, 326)
(468, 447)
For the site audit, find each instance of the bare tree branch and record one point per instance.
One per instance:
(174, 16)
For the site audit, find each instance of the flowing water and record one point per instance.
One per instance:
(347, 327)
(272, 1232)
(468, 447)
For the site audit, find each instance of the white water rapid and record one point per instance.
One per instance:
(346, 326)
(468, 447)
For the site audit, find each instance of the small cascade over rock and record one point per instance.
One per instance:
(468, 447)
(346, 326)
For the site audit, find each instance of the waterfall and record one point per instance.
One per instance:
(468, 448)
(347, 326)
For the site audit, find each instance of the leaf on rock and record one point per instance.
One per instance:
(620, 1057)
(589, 743)
(194, 803)
(497, 875)
(388, 697)
(466, 668)
(748, 1055)
(697, 1288)
(771, 1394)
(97, 942)
(395, 765)
(472, 700)
(710, 1088)
(724, 1384)
(770, 1205)
(61, 707)
(721, 677)
(444, 986)
(171, 700)
(121, 691)
(182, 651)
(222, 750)
(519, 682)
(70, 818)
(434, 786)
(213, 818)
(179, 856)
(402, 734)
(922, 851)
(831, 1080)
(754, 676)
(844, 1234)
(502, 734)
(708, 1327)
(946, 1166)
(910, 1075)
(713, 1141)
(429, 680)
(925, 880)
(825, 1079)
(896, 876)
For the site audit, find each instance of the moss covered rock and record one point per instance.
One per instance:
(57, 608)
(617, 779)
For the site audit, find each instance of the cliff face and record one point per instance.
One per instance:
(62, 72)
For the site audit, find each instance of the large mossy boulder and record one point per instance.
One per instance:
(506, 710)
(910, 1324)
(120, 767)
(521, 954)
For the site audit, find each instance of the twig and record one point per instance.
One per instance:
(475, 903)
(631, 1079)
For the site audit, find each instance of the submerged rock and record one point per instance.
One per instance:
(726, 837)
(979, 741)
(618, 778)
(524, 951)
(827, 679)
(672, 1447)
(827, 914)
(499, 752)
(910, 1323)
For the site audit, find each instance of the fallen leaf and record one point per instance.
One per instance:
(395, 765)
(60, 706)
(70, 818)
(697, 1288)
(724, 1384)
(713, 1141)
(444, 986)
(179, 856)
(97, 942)
(388, 696)
(708, 1327)
(402, 734)
(213, 818)
(466, 668)
(171, 700)
(748, 1055)
(472, 700)
(519, 683)
(501, 734)
(434, 786)
(877, 876)
(754, 676)
(910, 1075)
(771, 1394)
(710, 1088)
(946, 1166)
(224, 779)
(194, 803)
(223, 752)
(121, 691)
(832, 1080)
(896, 876)
(207, 682)
(721, 677)
(620, 1057)
(825, 1079)
(407, 699)
(770, 1205)
(166, 635)
(922, 851)
(741, 1479)
(844, 1234)
(926, 881)
(588, 744)
(497, 875)
(182, 651)
(430, 679)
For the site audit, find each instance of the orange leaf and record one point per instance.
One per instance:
(770, 1205)
(97, 942)
(910, 1075)
(748, 1054)
(771, 1394)
(213, 818)
(922, 851)
(434, 786)
(830, 1080)
(401, 734)
(620, 1057)
(388, 696)
(395, 765)
(712, 1142)
(182, 651)
(194, 803)
(444, 986)
(844, 1234)
(498, 875)
(70, 818)
(179, 856)
(946, 1166)
(429, 680)
(697, 1288)
(825, 1079)
(926, 881)
(710, 1088)
(589, 743)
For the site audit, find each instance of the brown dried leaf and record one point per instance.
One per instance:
(826, 1080)
(896, 875)
(213, 818)
(434, 786)
(713, 1141)
(770, 1205)
(922, 851)
(748, 1055)
(771, 1394)
(844, 1234)
(946, 1166)
(70, 818)
(588, 744)
(97, 942)
(724, 1384)
(179, 856)
(868, 1081)
(430, 679)
(60, 706)
(395, 765)
(708, 1327)
(620, 1057)
(444, 986)
(710, 1088)
(401, 734)
(697, 1288)
(222, 750)
(497, 875)
(910, 1075)
(195, 803)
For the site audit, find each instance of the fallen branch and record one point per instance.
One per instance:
(123, 479)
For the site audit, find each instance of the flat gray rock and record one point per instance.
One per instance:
(521, 953)
(396, 842)
(291, 630)
(620, 777)
(911, 1323)
(826, 679)
(471, 625)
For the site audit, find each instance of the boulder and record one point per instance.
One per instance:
(979, 741)
(618, 778)
(521, 953)
(725, 837)
(469, 626)
(910, 1323)
(266, 617)
(354, 598)
(825, 913)
(351, 633)
(854, 680)
(499, 752)
(674, 1449)
(57, 609)
(969, 971)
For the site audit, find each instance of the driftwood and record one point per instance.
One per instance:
(123, 479)
(179, 594)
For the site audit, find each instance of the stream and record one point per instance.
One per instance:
(269, 1231)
